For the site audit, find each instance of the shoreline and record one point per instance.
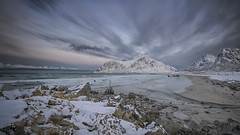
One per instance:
(189, 113)
(207, 90)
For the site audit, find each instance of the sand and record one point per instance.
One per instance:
(204, 90)
(215, 102)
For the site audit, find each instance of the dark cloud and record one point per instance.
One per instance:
(93, 50)
(175, 32)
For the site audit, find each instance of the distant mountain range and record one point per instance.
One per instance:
(144, 64)
(204, 63)
(227, 60)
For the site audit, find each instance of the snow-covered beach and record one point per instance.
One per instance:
(141, 103)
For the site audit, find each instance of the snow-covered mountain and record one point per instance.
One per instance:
(141, 65)
(228, 60)
(204, 63)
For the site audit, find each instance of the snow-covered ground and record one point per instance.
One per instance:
(87, 116)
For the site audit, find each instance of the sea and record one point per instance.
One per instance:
(152, 85)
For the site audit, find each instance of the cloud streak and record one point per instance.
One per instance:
(175, 32)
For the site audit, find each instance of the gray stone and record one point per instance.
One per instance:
(62, 88)
(85, 91)
(109, 91)
(51, 102)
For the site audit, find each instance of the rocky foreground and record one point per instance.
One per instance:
(59, 110)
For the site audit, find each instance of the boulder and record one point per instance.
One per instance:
(58, 120)
(1, 94)
(131, 95)
(85, 91)
(180, 115)
(44, 87)
(62, 88)
(109, 91)
(37, 92)
(19, 127)
(51, 102)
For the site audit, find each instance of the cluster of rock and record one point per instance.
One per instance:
(227, 60)
(167, 117)
(172, 119)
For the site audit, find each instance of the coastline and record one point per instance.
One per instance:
(189, 112)
(204, 89)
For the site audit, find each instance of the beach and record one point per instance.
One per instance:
(122, 104)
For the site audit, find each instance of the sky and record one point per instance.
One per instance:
(87, 33)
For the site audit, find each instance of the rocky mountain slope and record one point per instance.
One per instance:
(204, 63)
(141, 65)
(227, 60)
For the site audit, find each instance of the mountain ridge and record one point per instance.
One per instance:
(228, 59)
(144, 64)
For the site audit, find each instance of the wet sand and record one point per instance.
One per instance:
(204, 90)
(215, 102)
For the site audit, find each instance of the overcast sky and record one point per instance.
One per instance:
(87, 33)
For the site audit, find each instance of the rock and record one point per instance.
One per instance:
(37, 92)
(17, 116)
(173, 75)
(40, 120)
(67, 116)
(206, 129)
(131, 95)
(1, 94)
(238, 127)
(111, 104)
(51, 102)
(109, 91)
(180, 115)
(86, 124)
(159, 132)
(19, 125)
(119, 113)
(62, 88)
(24, 96)
(94, 92)
(192, 124)
(146, 99)
(58, 120)
(44, 87)
(85, 91)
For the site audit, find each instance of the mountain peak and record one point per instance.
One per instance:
(204, 63)
(227, 60)
(144, 64)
